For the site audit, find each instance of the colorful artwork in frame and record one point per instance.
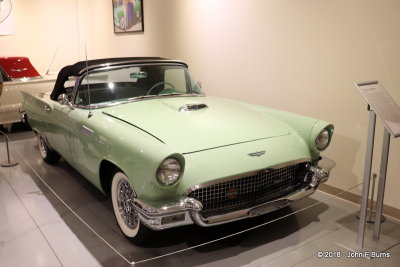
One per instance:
(128, 16)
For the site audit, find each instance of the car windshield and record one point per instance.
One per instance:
(130, 83)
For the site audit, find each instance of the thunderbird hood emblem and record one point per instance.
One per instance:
(257, 154)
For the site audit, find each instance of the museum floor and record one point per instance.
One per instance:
(51, 216)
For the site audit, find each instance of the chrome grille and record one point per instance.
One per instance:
(251, 190)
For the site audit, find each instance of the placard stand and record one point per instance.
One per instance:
(382, 104)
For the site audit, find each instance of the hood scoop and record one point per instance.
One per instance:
(192, 107)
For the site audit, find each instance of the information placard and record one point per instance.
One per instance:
(383, 104)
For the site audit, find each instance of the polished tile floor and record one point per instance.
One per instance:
(51, 216)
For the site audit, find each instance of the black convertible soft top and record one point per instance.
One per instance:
(77, 68)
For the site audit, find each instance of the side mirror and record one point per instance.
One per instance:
(63, 99)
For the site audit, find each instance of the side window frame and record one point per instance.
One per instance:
(4, 75)
(75, 91)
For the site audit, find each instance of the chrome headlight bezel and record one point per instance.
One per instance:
(169, 172)
(323, 139)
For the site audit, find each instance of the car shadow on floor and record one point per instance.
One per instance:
(95, 210)
(265, 229)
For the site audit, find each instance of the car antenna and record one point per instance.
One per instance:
(51, 63)
(87, 80)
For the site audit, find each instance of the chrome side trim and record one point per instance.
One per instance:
(86, 131)
(238, 176)
(24, 79)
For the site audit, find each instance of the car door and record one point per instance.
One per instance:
(58, 123)
(83, 144)
(68, 134)
(84, 141)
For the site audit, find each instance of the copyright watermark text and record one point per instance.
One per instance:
(352, 254)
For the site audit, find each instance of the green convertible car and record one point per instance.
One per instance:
(141, 130)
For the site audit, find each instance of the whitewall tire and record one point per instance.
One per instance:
(125, 211)
(46, 153)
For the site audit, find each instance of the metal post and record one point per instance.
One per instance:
(370, 211)
(7, 163)
(371, 205)
(382, 182)
(366, 178)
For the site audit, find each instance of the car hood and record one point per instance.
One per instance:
(208, 123)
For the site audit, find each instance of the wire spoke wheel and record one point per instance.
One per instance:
(46, 153)
(42, 146)
(126, 204)
(126, 213)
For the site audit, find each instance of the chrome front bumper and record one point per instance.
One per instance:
(188, 210)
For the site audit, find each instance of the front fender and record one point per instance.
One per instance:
(136, 153)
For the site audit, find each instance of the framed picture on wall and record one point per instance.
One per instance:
(6, 17)
(128, 16)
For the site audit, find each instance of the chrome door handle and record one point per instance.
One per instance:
(47, 108)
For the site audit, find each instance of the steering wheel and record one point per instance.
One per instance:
(158, 84)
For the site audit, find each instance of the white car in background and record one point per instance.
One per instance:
(18, 73)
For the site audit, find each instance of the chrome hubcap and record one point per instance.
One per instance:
(42, 146)
(126, 204)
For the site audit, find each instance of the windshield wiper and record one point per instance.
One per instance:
(182, 94)
(169, 94)
(158, 96)
(142, 97)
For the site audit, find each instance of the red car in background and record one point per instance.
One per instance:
(18, 73)
(17, 69)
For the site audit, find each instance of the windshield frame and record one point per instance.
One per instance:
(132, 99)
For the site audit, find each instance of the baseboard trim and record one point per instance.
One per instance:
(387, 210)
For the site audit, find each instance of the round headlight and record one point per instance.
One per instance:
(322, 140)
(169, 171)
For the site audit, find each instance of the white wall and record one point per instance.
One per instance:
(300, 56)
(42, 26)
